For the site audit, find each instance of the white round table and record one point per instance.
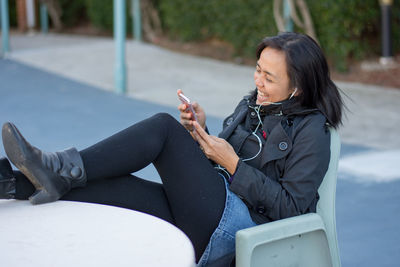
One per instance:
(66, 233)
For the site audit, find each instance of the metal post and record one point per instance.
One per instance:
(387, 56)
(5, 27)
(119, 37)
(137, 27)
(44, 19)
(30, 15)
(286, 16)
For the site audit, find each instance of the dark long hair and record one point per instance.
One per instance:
(308, 71)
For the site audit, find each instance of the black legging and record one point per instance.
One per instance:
(191, 196)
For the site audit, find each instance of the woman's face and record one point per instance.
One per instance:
(271, 77)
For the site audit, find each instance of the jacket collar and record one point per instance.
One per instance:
(287, 108)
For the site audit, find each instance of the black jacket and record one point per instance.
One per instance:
(294, 160)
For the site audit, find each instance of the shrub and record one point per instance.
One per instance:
(101, 14)
(12, 8)
(73, 12)
(242, 23)
(346, 29)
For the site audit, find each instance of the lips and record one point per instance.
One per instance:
(261, 97)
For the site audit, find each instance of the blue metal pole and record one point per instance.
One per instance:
(44, 21)
(137, 27)
(286, 15)
(119, 37)
(5, 27)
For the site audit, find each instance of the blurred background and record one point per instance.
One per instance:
(62, 62)
(350, 32)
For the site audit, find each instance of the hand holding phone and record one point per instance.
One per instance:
(185, 100)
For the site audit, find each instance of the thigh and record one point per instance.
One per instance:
(195, 190)
(128, 192)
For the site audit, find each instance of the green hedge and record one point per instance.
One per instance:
(351, 28)
(12, 13)
(101, 14)
(346, 28)
(242, 23)
(73, 12)
(98, 12)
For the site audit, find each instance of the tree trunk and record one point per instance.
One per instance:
(55, 12)
(151, 21)
(280, 24)
(307, 24)
(21, 15)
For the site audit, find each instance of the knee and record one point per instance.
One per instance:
(165, 118)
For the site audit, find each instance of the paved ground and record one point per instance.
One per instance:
(154, 74)
(54, 81)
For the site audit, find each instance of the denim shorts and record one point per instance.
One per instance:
(235, 217)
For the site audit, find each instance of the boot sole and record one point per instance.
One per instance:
(18, 153)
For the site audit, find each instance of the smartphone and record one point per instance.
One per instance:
(185, 100)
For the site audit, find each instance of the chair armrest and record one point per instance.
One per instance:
(248, 239)
(281, 229)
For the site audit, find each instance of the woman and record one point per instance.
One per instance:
(266, 164)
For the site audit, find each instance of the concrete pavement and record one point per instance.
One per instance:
(154, 74)
(60, 93)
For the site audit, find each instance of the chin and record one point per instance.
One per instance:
(263, 103)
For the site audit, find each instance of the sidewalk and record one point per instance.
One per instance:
(154, 74)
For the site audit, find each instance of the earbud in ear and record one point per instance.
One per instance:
(295, 90)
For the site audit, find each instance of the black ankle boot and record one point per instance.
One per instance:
(7, 180)
(52, 174)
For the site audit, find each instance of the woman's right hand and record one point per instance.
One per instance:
(187, 117)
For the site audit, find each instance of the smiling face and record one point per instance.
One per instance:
(271, 77)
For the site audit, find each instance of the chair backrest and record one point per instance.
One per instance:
(294, 241)
(326, 203)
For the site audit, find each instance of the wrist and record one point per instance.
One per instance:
(232, 167)
(230, 179)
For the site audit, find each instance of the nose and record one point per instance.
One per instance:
(257, 80)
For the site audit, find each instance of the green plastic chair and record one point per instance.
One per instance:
(304, 240)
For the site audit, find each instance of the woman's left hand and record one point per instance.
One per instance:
(216, 149)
